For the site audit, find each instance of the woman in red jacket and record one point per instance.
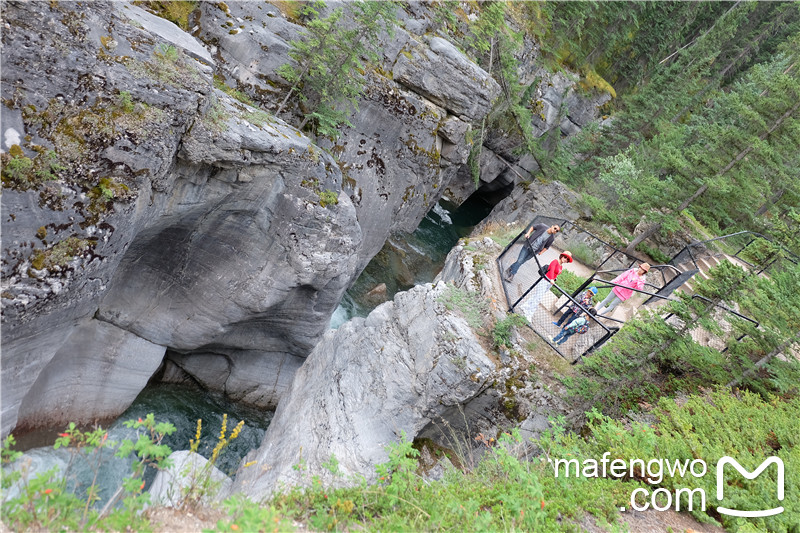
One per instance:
(553, 270)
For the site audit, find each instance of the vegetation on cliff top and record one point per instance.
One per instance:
(498, 488)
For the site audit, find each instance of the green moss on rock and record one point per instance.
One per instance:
(61, 253)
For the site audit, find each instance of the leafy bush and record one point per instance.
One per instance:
(570, 283)
(501, 334)
(219, 83)
(176, 11)
(327, 75)
(23, 172)
(60, 254)
(744, 426)
(47, 502)
(583, 253)
(328, 197)
(658, 256)
(501, 492)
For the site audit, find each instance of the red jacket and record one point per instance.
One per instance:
(554, 269)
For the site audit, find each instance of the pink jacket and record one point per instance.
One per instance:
(629, 278)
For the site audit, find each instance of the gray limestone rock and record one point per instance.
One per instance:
(83, 83)
(391, 161)
(95, 375)
(404, 147)
(366, 384)
(200, 225)
(215, 206)
(253, 377)
(165, 30)
(443, 74)
(552, 199)
(251, 40)
(249, 264)
(189, 475)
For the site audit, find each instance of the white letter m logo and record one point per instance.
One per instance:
(749, 514)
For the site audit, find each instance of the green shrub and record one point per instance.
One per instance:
(744, 426)
(501, 492)
(61, 253)
(46, 501)
(216, 117)
(125, 102)
(584, 254)
(658, 256)
(23, 172)
(18, 168)
(328, 197)
(571, 282)
(244, 515)
(219, 83)
(501, 334)
(167, 53)
(176, 11)
(472, 305)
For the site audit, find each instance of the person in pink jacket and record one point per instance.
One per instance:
(633, 278)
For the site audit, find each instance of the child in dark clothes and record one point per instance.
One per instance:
(575, 310)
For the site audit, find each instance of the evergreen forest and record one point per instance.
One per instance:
(700, 138)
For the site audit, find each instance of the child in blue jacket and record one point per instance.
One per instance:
(572, 327)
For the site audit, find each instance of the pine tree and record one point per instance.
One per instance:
(329, 57)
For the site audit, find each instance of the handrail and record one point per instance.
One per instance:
(760, 235)
(625, 269)
(612, 284)
(693, 251)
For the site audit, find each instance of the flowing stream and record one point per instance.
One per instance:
(412, 259)
(181, 406)
(404, 261)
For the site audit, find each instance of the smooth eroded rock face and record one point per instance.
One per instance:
(244, 255)
(447, 77)
(253, 377)
(182, 217)
(100, 106)
(195, 223)
(96, 374)
(552, 199)
(364, 385)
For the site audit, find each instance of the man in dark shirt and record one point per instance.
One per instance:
(538, 238)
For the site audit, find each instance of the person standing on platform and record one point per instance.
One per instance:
(544, 284)
(538, 238)
(574, 327)
(633, 278)
(574, 310)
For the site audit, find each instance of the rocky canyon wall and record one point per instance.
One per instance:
(145, 212)
(161, 214)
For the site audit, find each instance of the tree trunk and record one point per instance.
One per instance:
(769, 203)
(646, 234)
(483, 123)
(291, 90)
(764, 360)
(763, 136)
(703, 188)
